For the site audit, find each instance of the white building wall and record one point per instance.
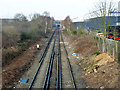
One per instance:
(119, 7)
(118, 11)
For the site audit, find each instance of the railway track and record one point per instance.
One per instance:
(41, 60)
(51, 72)
(69, 65)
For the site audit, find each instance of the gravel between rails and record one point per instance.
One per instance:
(66, 77)
(77, 71)
(42, 72)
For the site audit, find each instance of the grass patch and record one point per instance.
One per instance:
(103, 72)
(80, 32)
(91, 64)
(97, 53)
(74, 32)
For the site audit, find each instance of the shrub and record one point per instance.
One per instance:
(102, 72)
(74, 32)
(19, 44)
(25, 35)
(80, 32)
(97, 53)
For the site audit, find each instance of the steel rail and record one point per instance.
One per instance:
(59, 79)
(48, 73)
(72, 76)
(60, 65)
(41, 60)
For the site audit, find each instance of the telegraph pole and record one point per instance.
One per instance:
(46, 26)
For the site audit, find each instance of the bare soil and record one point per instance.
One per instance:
(32, 70)
(12, 72)
(100, 71)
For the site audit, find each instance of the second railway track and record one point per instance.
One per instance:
(54, 70)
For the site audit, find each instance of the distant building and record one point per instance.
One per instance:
(79, 25)
(96, 23)
(9, 21)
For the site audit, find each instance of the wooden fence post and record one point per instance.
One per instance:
(113, 54)
(103, 46)
(116, 50)
(99, 43)
(109, 47)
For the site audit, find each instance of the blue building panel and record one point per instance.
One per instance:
(96, 23)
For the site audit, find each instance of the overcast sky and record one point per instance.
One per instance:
(58, 9)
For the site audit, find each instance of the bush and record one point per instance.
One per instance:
(25, 35)
(97, 53)
(74, 32)
(80, 32)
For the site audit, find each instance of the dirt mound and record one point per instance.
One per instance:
(103, 59)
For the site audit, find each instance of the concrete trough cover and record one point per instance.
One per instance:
(24, 80)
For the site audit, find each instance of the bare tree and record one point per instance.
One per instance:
(102, 15)
(20, 17)
(36, 16)
(46, 14)
(68, 25)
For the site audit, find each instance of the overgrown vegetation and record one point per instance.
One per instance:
(74, 32)
(25, 36)
(19, 33)
(97, 53)
(80, 32)
(70, 28)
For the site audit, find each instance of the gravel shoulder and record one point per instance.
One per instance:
(74, 61)
(66, 77)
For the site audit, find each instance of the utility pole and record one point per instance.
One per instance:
(46, 25)
(46, 15)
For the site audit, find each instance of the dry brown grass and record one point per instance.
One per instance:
(107, 74)
(12, 37)
(84, 45)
